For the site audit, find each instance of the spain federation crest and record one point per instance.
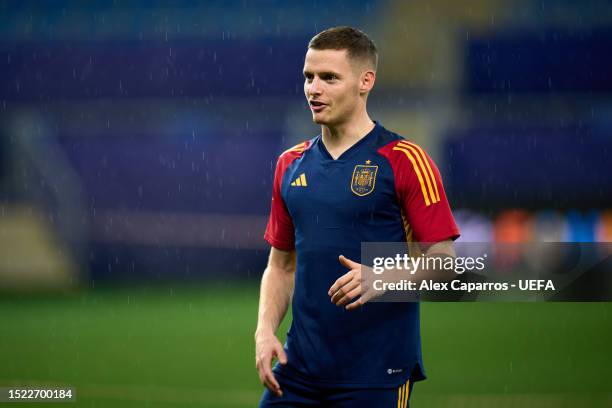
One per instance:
(364, 179)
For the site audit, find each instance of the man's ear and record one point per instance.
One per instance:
(367, 80)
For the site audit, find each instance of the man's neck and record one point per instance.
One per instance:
(338, 139)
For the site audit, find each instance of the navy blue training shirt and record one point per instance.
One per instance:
(382, 189)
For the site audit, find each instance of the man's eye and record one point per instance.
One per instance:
(331, 77)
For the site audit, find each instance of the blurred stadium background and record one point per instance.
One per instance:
(137, 145)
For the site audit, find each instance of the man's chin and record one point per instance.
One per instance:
(319, 120)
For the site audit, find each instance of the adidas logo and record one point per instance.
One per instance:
(300, 181)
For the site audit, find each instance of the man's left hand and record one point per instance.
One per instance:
(349, 286)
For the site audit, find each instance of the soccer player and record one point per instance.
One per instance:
(355, 182)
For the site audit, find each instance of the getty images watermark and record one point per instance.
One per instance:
(488, 271)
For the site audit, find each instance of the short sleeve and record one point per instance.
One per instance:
(280, 231)
(421, 194)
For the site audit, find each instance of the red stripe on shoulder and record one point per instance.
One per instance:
(280, 232)
(407, 158)
(290, 155)
(404, 159)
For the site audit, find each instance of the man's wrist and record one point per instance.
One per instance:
(264, 331)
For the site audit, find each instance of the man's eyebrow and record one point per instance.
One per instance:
(322, 74)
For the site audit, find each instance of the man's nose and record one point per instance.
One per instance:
(315, 87)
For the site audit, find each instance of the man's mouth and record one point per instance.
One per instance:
(317, 106)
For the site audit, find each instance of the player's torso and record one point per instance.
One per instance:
(334, 206)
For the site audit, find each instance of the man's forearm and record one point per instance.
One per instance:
(275, 295)
(440, 251)
(428, 266)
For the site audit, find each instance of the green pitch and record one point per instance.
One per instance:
(193, 347)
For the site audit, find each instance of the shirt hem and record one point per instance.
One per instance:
(295, 375)
(452, 235)
(278, 244)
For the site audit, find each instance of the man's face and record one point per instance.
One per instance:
(331, 85)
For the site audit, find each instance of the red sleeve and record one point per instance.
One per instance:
(280, 231)
(419, 189)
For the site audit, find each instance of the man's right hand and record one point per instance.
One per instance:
(267, 347)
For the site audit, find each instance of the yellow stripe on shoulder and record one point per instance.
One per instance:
(426, 161)
(425, 168)
(416, 169)
(297, 148)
